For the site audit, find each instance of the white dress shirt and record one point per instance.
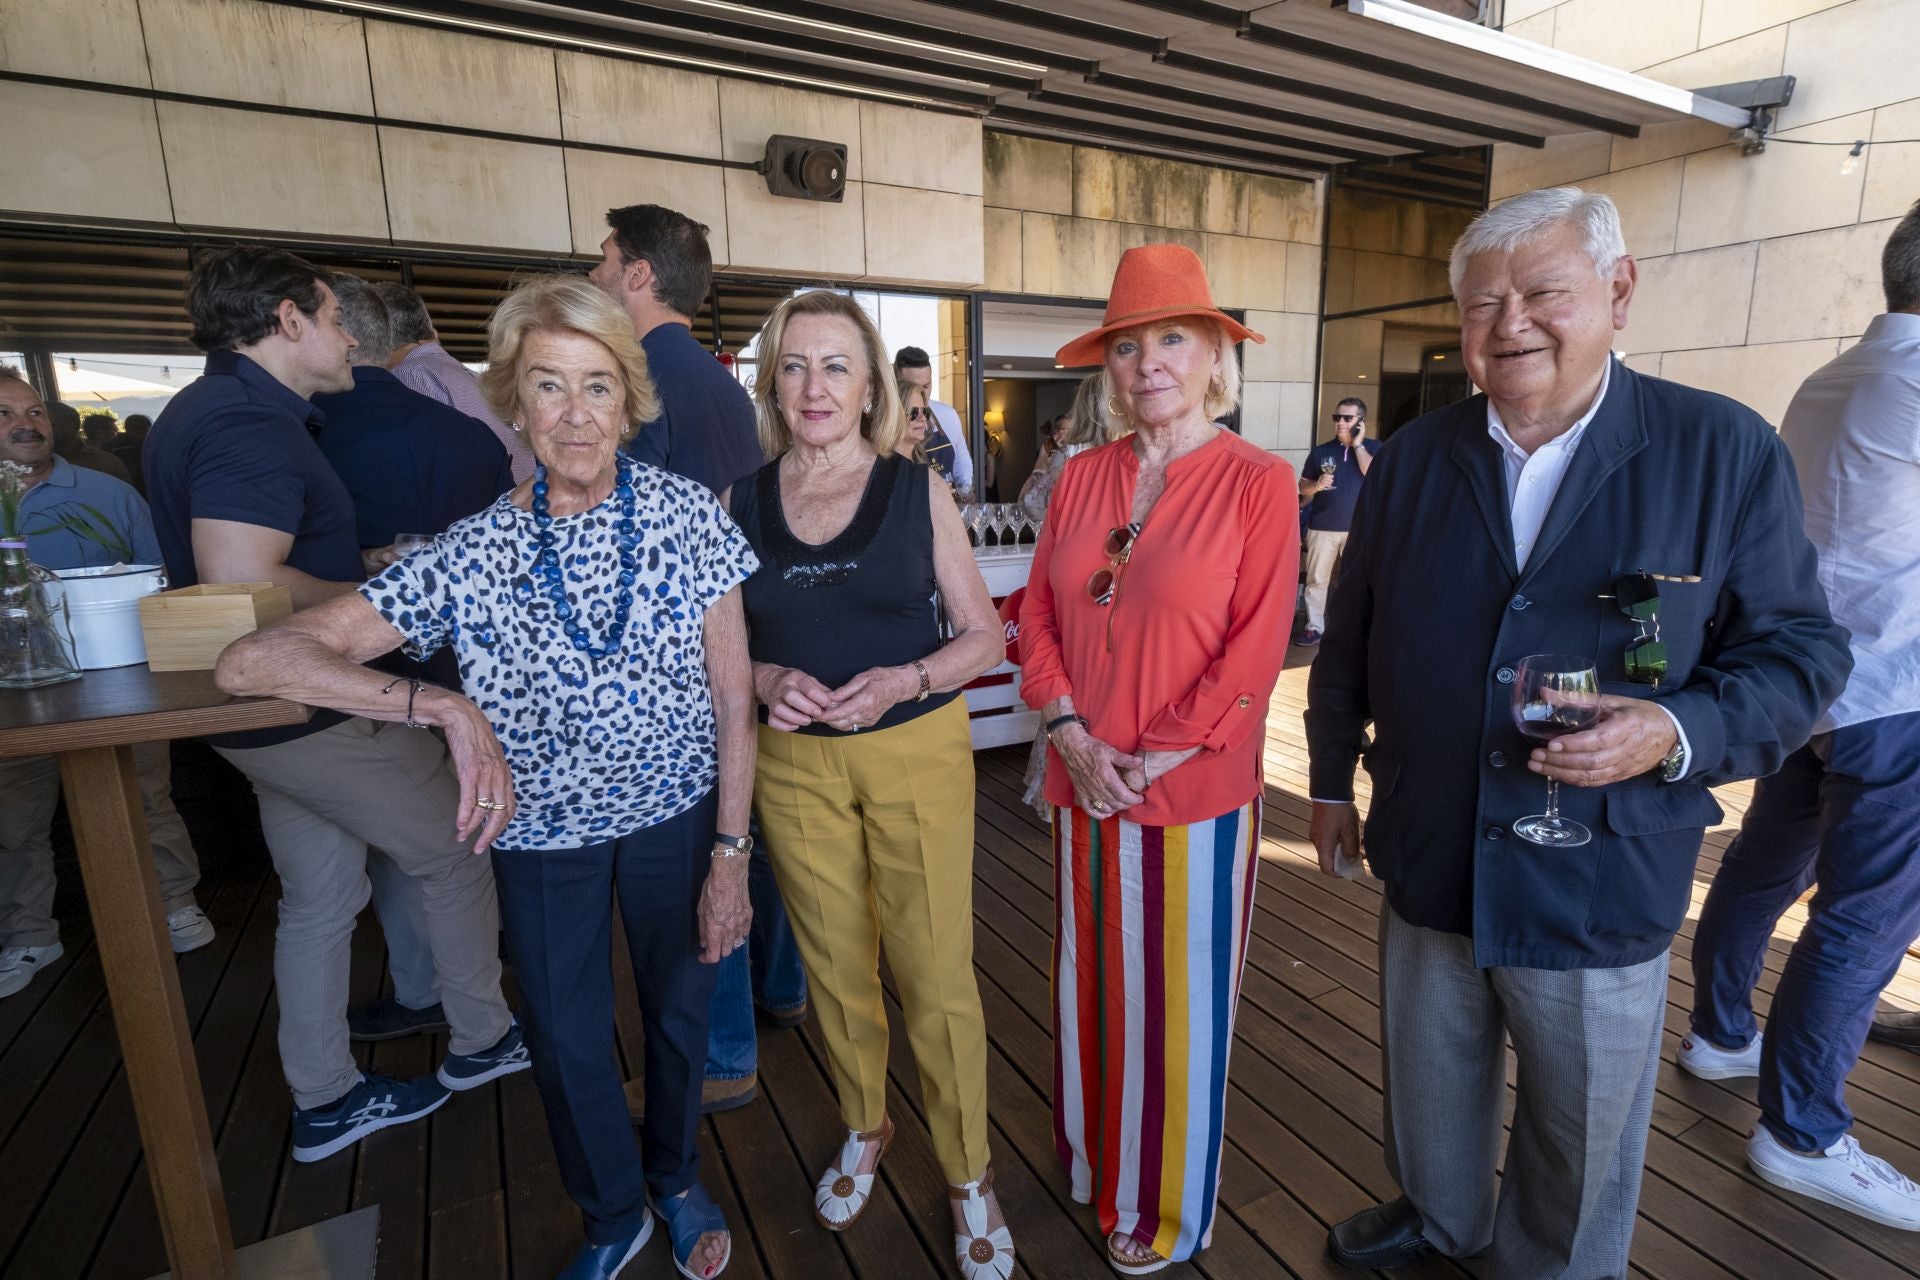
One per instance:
(1534, 478)
(1854, 431)
(949, 421)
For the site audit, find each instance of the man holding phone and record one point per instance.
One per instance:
(1329, 486)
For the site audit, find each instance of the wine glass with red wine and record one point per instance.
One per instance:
(1554, 694)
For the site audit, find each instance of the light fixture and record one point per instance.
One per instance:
(1007, 366)
(994, 419)
(1852, 160)
(1362, 377)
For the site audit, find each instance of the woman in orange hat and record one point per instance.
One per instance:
(1154, 626)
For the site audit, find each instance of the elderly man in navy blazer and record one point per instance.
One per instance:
(1575, 508)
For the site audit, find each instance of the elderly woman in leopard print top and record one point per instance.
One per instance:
(605, 745)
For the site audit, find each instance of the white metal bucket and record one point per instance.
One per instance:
(117, 582)
(107, 634)
(103, 610)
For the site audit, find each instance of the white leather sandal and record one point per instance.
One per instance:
(839, 1198)
(982, 1254)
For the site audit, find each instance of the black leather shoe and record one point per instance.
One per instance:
(1897, 1028)
(388, 1019)
(1381, 1238)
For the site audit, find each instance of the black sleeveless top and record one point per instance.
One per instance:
(864, 599)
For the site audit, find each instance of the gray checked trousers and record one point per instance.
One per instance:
(1588, 1045)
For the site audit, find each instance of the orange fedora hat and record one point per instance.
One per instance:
(1154, 282)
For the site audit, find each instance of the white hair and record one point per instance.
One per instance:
(1513, 222)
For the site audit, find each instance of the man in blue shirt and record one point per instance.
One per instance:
(241, 493)
(411, 465)
(30, 787)
(1330, 481)
(656, 265)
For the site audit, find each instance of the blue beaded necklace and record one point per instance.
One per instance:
(547, 563)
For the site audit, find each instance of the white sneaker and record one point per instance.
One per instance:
(18, 965)
(1844, 1176)
(1700, 1057)
(190, 928)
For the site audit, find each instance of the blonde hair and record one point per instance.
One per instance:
(1087, 421)
(563, 304)
(907, 391)
(1223, 395)
(882, 426)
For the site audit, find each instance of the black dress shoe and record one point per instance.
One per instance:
(388, 1019)
(1381, 1238)
(1897, 1028)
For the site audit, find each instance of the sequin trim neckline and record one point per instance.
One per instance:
(851, 542)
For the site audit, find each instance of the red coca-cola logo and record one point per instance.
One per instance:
(1010, 622)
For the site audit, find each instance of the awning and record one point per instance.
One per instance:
(1296, 87)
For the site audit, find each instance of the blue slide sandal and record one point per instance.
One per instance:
(688, 1217)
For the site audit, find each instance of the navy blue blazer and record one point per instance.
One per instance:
(1431, 617)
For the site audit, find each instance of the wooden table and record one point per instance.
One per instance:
(91, 724)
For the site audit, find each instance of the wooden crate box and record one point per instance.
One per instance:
(187, 628)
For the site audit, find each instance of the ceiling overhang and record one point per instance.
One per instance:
(1298, 87)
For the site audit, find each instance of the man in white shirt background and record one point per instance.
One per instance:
(1844, 811)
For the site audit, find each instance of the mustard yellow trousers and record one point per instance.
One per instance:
(871, 837)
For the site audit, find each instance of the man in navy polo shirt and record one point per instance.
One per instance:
(656, 265)
(410, 463)
(1330, 482)
(30, 785)
(241, 493)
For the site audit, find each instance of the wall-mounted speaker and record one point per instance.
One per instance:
(805, 168)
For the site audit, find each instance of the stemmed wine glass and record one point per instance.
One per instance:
(997, 517)
(966, 519)
(1554, 694)
(1017, 517)
(977, 521)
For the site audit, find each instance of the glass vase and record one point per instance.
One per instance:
(36, 642)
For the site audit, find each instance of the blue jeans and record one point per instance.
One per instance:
(557, 906)
(768, 965)
(1843, 812)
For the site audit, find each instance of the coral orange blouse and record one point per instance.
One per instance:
(1199, 622)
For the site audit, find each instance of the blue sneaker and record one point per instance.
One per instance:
(376, 1103)
(605, 1261)
(471, 1070)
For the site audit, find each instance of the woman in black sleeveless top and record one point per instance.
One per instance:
(865, 776)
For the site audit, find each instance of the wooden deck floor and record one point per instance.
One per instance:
(472, 1194)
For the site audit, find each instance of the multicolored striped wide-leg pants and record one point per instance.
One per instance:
(1147, 955)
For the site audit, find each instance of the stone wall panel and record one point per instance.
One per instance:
(255, 172)
(251, 52)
